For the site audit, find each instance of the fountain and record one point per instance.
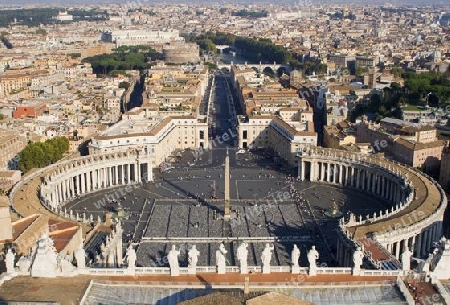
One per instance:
(334, 212)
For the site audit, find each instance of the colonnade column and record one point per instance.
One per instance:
(419, 245)
(137, 171)
(358, 177)
(88, 181)
(354, 170)
(397, 250)
(302, 171)
(110, 181)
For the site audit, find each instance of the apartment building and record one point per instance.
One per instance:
(444, 175)
(11, 143)
(412, 144)
(29, 110)
(161, 136)
(338, 135)
(276, 118)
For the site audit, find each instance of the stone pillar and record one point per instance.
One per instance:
(397, 250)
(88, 181)
(122, 172)
(378, 187)
(419, 245)
(101, 176)
(341, 174)
(95, 179)
(71, 187)
(128, 173)
(322, 171)
(389, 190)
(77, 182)
(432, 235)
(352, 177)
(358, 177)
(63, 186)
(328, 172)
(426, 238)
(302, 172)
(110, 180)
(347, 176)
(83, 185)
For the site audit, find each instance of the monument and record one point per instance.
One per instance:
(24, 264)
(406, 259)
(131, 257)
(241, 254)
(313, 255)
(45, 262)
(9, 261)
(80, 257)
(295, 256)
(358, 256)
(172, 257)
(266, 257)
(334, 212)
(226, 212)
(220, 259)
(193, 259)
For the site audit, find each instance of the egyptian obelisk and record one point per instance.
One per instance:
(226, 212)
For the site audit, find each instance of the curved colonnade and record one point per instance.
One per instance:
(68, 179)
(417, 203)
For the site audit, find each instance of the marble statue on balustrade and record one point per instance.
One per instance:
(9, 261)
(313, 255)
(406, 259)
(266, 257)
(220, 259)
(80, 257)
(442, 261)
(172, 257)
(295, 256)
(65, 266)
(193, 259)
(242, 254)
(45, 263)
(358, 257)
(24, 264)
(131, 257)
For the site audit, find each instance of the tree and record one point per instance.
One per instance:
(42, 154)
(42, 32)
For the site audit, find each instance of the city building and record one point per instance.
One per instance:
(339, 135)
(412, 144)
(31, 110)
(11, 143)
(444, 175)
(133, 37)
(180, 52)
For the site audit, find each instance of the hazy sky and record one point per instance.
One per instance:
(71, 2)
